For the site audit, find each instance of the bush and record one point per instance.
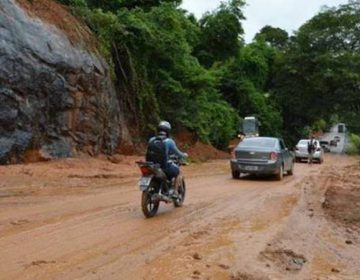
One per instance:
(319, 125)
(354, 148)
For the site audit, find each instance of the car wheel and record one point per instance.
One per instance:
(291, 171)
(280, 174)
(235, 174)
(321, 160)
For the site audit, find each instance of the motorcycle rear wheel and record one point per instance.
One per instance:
(148, 206)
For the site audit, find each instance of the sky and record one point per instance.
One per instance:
(286, 14)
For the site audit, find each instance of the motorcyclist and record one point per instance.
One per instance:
(171, 169)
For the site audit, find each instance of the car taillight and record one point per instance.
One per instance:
(146, 171)
(273, 156)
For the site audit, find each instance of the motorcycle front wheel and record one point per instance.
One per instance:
(182, 192)
(149, 207)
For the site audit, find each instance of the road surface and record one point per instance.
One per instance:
(61, 224)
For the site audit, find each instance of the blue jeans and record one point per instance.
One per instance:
(171, 170)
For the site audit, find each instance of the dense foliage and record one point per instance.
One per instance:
(276, 37)
(219, 38)
(354, 147)
(319, 74)
(200, 75)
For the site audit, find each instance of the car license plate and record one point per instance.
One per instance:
(144, 182)
(250, 168)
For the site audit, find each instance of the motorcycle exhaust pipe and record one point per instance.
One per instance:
(161, 197)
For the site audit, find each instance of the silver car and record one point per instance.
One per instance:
(262, 155)
(302, 153)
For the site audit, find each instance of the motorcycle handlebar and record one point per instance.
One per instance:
(177, 160)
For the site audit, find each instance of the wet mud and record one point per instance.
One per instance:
(81, 219)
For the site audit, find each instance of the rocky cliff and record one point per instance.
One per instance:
(56, 96)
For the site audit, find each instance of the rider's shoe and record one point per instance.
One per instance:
(173, 194)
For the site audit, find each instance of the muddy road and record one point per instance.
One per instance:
(81, 219)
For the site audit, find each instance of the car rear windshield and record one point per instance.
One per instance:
(303, 142)
(306, 142)
(258, 142)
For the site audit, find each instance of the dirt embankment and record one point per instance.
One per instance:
(189, 142)
(197, 150)
(342, 198)
(70, 175)
(54, 13)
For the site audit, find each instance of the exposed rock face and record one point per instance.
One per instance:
(55, 97)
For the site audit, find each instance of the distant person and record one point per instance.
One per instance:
(311, 149)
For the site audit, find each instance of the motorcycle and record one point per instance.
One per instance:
(156, 187)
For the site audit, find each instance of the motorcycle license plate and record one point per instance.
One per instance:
(144, 183)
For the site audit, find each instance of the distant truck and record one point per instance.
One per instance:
(341, 128)
(250, 127)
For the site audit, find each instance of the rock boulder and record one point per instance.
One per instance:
(56, 96)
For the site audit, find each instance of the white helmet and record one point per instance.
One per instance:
(164, 126)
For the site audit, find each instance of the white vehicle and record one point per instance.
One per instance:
(250, 127)
(301, 151)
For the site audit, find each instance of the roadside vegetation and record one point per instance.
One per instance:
(354, 147)
(200, 74)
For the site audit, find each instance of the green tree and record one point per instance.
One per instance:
(157, 76)
(276, 37)
(200, 75)
(243, 85)
(221, 33)
(320, 73)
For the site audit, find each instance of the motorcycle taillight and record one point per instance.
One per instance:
(146, 171)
